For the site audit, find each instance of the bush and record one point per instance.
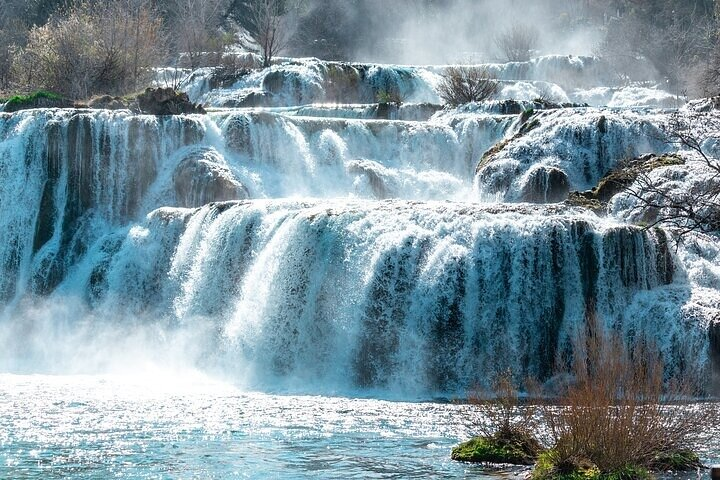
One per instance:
(389, 96)
(462, 85)
(506, 427)
(196, 33)
(95, 48)
(620, 411)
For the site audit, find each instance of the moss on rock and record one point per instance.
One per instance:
(521, 451)
(677, 461)
(39, 99)
(552, 466)
(619, 179)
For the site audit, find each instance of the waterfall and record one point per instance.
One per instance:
(335, 253)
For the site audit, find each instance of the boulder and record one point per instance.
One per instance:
(202, 177)
(37, 100)
(166, 101)
(107, 102)
(545, 185)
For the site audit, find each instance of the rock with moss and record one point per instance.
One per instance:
(40, 99)
(166, 101)
(553, 466)
(676, 461)
(518, 450)
(107, 102)
(620, 179)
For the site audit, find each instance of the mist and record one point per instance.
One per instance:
(447, 31)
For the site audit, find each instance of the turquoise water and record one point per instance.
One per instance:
(188, 427)
(160, 427)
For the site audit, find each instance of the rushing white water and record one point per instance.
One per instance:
(294, 82)
(326, 248)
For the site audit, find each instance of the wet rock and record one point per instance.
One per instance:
(107, 102)
(714, 345)
(166, 101)
(37, 100)
(545, 185)
(251, 99)
(619, 179)
(202, 178)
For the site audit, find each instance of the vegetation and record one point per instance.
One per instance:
(268, 20)
(493, 450)
(619, 417)
(506, 427)
(695, 209)
(29, 98)
(196, 31)
(389, 96)
(462, 85)
(108, 48)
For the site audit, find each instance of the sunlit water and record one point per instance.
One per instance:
(120, 427)
(190, 427)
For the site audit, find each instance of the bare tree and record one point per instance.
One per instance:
(270, 24)
(462, 85)
(621, 410)
(518, 43)
(696, 206)
(94, 48)
(196, 30)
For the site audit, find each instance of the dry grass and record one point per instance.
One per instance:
(505, 420)
(620, 411)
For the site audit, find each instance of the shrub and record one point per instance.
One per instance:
(620, 411)
(462, 85)
(506, 427)
(94, 48)
(196, 31)
(389, 96)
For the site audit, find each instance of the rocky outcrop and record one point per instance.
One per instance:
(107, 102)
(545, 185)
(619, 179)
(166, 101)
(36, 100)
(202, 178)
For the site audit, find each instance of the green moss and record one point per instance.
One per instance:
(619, 179)
(531, 125)
(551, 466)
(678, 461)
(30, 98)
(489, 450)
(525, 116)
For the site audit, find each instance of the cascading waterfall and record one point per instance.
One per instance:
(336, 250)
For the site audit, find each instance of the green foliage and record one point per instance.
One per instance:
(493, 450)
(389, 96)
(29, 98)
(551, 466)
(678, 461)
